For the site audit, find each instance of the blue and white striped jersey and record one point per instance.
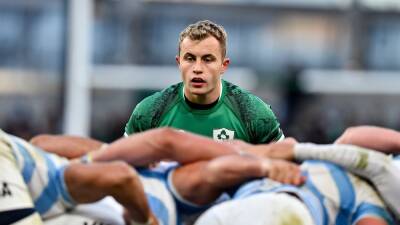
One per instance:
(166, 204)
(160, 200)
(42, 173)
(396, 161)
(333, 196)
(42, 176)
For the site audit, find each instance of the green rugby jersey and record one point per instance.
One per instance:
(237, 115)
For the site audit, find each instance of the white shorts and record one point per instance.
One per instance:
(258, 209)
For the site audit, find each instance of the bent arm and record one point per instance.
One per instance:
(66, 146)
(163, 144)
(377, 138)
(91, 182)
(203, 182)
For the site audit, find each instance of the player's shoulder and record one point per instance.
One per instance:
(258, 117)
(148, 113)
(248, 105)
(158, 99)
(246, 101)
(235, 90)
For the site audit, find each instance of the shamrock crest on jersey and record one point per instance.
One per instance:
(223, 134)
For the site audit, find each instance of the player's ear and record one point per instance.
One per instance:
(225, 64)
(177, 60)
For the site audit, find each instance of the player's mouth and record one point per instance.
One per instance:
(197, 82)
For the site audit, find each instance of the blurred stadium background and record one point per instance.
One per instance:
(80, 66)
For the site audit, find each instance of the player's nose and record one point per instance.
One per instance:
(197, 67)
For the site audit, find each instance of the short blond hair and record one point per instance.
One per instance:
(202, 30)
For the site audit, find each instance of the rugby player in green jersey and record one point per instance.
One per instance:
(204, 103)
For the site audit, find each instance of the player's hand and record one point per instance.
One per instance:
(283, 171)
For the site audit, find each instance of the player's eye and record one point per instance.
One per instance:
(189, 58)
(209, 59)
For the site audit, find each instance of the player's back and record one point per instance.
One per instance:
(160, 199)
(42, 173)
(345, 197)
(165, 202)
(332, 195)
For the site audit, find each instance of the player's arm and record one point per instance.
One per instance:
(91, 182)
(377, 138)
(65, 145)
(203, 182)
(141, 117)
(358, 160)
(158, 144)
(130, 127)
(364, 162)
(372, 165)
(371, 221)
(372, 214)
(226, 171)
(276, 150)
(134, 125)
(265, 126)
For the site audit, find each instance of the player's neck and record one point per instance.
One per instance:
(203, 99)
(195, 105)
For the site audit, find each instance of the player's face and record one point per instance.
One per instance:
(201, 65)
